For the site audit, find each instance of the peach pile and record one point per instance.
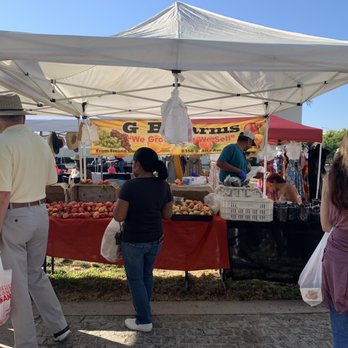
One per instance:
(192, 207)
(79, 209)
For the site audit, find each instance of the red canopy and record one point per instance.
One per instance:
(282, 129)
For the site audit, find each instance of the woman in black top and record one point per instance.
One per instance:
(142, 204)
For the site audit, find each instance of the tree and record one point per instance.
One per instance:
(332, 140)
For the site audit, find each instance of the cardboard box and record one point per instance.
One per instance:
(191, 192)
(94, 193)
(57, 192)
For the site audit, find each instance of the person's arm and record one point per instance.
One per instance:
(121, 210)
(292, 195)
(324, 207)
(167, 210)
(228, 167)
(4, 202)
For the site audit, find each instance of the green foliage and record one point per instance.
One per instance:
(332, 140)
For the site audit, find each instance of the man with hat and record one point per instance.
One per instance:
(27, 166)
(232, 160)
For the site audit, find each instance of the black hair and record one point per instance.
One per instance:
(150, 162)
(338, 182)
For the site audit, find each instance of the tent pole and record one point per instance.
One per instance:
(85, 162)
(265, 156)
(319, 171)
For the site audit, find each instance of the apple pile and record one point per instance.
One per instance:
(192, 207)
(90, 182)
(86, 182)
(79, 209)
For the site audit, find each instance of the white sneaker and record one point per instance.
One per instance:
(62, 335)
(132, 325)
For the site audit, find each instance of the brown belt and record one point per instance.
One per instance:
(26, 205)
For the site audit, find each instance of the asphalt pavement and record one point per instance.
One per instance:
(201, 324)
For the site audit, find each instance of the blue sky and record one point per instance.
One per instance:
(108, 17)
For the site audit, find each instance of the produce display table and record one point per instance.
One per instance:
(271, 250)
(188, 245)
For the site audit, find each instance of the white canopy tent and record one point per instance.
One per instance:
(230, 68)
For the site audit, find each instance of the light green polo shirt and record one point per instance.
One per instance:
(26, 164)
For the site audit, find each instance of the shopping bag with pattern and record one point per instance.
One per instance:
(5, 293)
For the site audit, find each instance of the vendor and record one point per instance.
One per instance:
(283, 190)
(75, 172)
(233, 161)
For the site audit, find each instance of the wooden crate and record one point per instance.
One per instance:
(94, 193)
(191, 192)
(57, 192)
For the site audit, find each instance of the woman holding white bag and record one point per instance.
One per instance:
(142, 204)
(334, 214)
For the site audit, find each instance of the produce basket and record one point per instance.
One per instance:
(94, 193)
(57, 192)
(242, 209)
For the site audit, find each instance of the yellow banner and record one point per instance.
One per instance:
(122, 138)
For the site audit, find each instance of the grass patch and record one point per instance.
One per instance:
(87, 281)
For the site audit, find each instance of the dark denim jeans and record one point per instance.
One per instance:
(139, 259)
(339, 325)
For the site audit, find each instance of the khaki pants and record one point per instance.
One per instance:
(23, 249)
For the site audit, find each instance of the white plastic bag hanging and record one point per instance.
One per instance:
(311, 276)
(89, 133)
(176, 127)
(5, 293)
(109, 249)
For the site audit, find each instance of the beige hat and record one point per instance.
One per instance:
(11, 105)
(71, 140)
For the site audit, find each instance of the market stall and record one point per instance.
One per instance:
(236, 69)
(272, 242)
(188, 245)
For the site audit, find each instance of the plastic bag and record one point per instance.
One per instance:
(5, 293)
(109, 249)
(232, 181)
(213, 202)
(176, 127)
(311, 275)
(87, 134)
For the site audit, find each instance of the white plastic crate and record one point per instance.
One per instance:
(237, 209)
(238, 192)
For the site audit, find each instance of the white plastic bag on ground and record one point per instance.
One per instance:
(109, 249)
(5, 293)
(311, 276)
(176, 127)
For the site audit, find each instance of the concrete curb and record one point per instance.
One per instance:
(193, 308)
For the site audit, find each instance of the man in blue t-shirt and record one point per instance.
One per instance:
(232, 160)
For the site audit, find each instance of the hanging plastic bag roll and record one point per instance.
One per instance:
(176, 127)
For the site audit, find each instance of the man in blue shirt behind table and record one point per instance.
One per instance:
(232, 160)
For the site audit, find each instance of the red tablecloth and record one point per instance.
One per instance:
(188, 245)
